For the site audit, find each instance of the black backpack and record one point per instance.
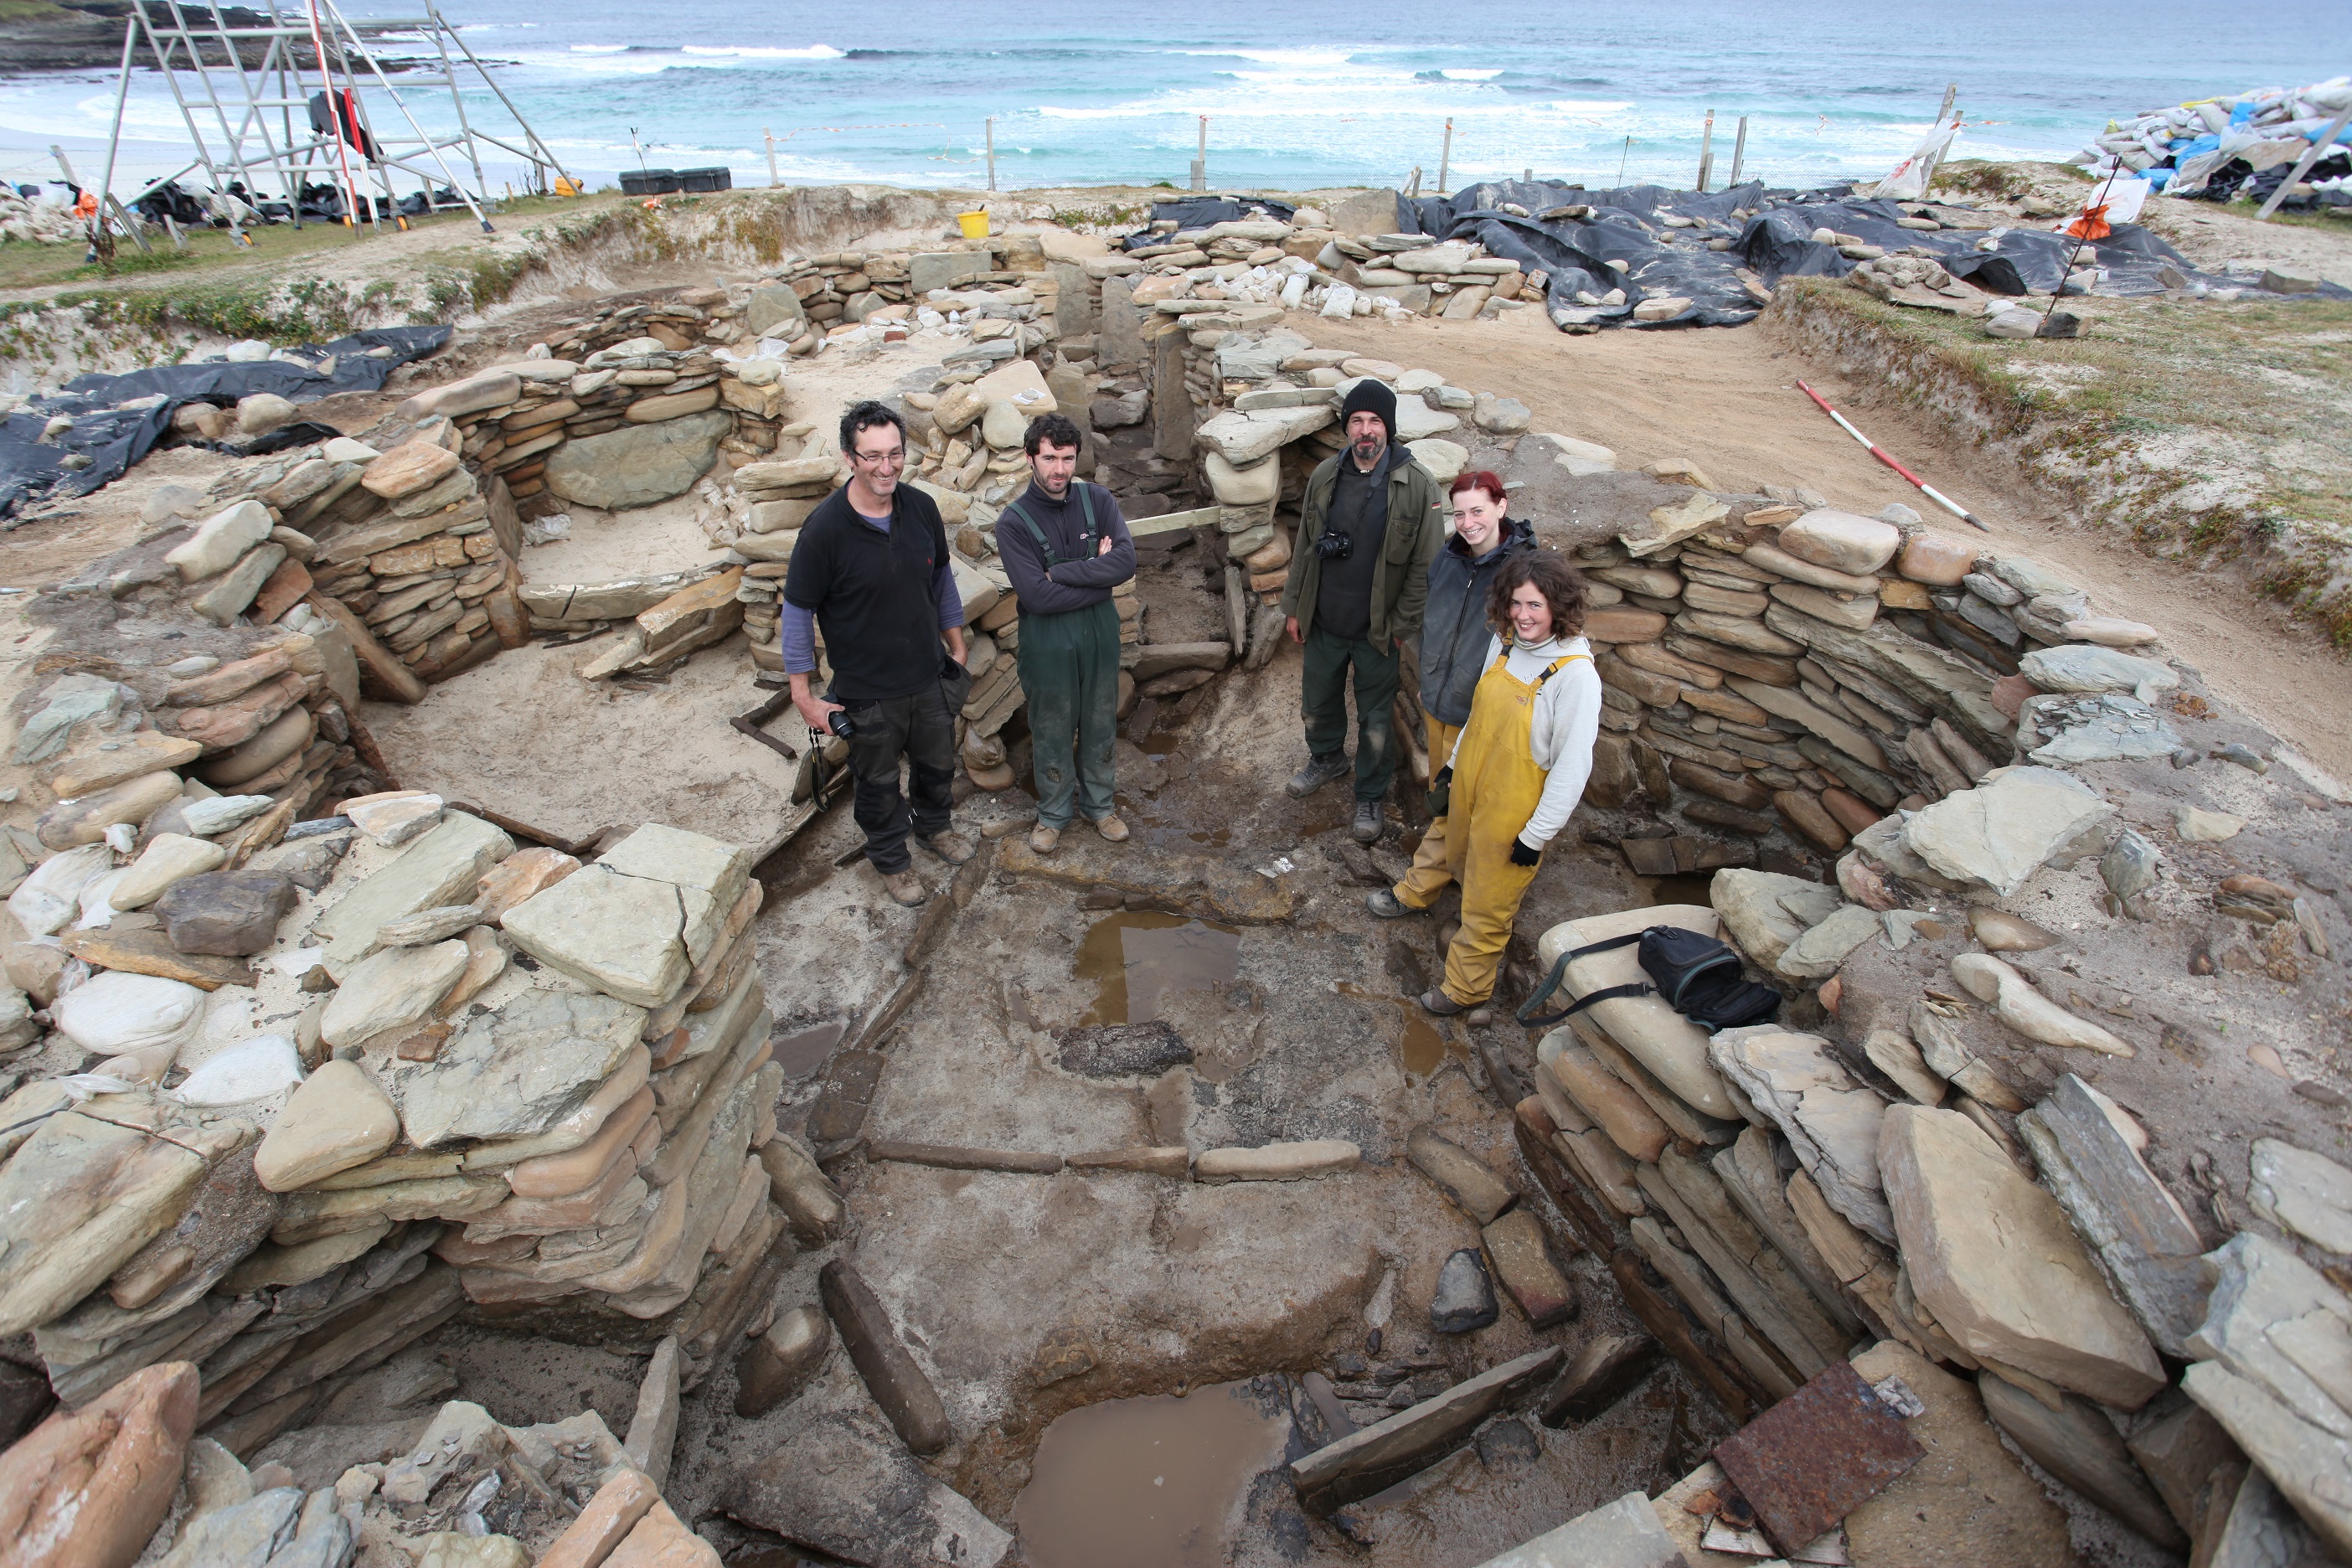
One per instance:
(1698, 976)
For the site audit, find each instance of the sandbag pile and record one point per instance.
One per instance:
(2219, 148)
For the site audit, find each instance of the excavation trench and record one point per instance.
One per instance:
(1130, 1359)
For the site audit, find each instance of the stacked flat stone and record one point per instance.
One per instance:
(1771, 669)
(159, 780)
(1789, 1205)
(567, 1145)
(416, 563)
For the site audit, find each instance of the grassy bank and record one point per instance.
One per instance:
(2214, 433)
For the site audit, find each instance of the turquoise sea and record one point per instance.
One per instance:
(1296, 96)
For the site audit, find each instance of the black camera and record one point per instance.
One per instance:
(1334, 546)
(838, 722)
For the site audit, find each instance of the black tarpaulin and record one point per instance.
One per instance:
(1192, 214)
(114, 436)
(1620, 241)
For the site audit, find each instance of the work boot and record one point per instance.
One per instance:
(1113, 830)
(905, 887)
(953, 847)
(1366, 828)
(1434, 1000)
(1318, 772)
(1389, 906)
(1045, 839)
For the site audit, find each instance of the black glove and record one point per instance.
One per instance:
(1441, 791)
(1523, 855)
(1445, 777)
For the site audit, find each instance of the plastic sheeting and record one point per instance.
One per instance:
(1625, 227)
(1194, 212)
(114, 426)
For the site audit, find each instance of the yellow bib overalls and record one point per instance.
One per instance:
(1496, 784)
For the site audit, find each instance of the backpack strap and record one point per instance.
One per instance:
(1559, 971)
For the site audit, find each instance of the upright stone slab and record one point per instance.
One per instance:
(1172, 417)
(1412, 1440)
(1990, 1256)
(2088, 1151)
(639, 464)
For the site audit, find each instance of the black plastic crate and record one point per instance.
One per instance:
(717, 179)
(648, 182)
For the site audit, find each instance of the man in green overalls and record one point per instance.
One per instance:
(1066, 547)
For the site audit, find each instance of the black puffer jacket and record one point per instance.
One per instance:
(1454, 628)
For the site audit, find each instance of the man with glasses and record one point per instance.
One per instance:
(870, 570)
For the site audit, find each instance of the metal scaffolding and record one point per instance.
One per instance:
(254, 108)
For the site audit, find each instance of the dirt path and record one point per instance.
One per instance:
(1726, 399)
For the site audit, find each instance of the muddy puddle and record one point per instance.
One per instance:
(1156, 1482)
(1137, 958)
(1684, 889)
(1421, 1044)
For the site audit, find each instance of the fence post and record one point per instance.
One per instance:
(992, 152)
(774, 179)
(1705, 151)
(1445, 157)
(1412, 183)
(1201, 157)
(1951, 96)
(1738, 153)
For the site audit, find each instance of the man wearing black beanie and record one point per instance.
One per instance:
(1371, 522)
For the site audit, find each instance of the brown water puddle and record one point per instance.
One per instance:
(1423, 1046)
(802, 1052)
(1147, 1483)
(1135, 957)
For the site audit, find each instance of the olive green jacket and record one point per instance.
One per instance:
(1416, 531)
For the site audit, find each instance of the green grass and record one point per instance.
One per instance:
(33, 265)
(2207, 430)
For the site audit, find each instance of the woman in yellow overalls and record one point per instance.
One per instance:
(1519, 765)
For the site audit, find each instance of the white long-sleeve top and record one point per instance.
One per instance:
(1566, 722)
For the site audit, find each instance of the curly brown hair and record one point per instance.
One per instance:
(1561, 585)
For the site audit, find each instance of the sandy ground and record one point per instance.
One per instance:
(1727, 400)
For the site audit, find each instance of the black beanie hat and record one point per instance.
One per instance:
(1370, 395)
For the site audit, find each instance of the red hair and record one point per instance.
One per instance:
(1482, 480)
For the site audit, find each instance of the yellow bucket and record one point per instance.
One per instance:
(974, 224)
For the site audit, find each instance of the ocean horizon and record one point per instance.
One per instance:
(1297, 98)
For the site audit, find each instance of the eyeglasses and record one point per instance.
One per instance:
(894, 458)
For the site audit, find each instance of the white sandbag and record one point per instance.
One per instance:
(47, 899)
(115, 1012)
(259, 1066)
(96, 911)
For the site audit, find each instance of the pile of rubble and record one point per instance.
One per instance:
(36, 223)
(286, 1107)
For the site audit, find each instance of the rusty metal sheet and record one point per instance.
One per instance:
(1816, 1455)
